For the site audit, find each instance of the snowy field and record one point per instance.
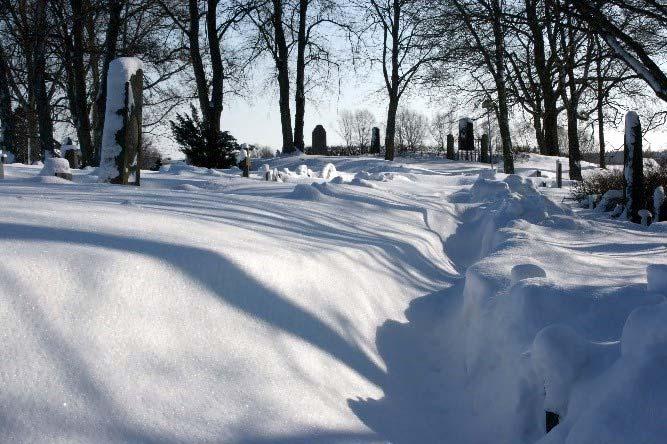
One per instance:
(419, 301)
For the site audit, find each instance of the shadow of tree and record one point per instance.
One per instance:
(226, 280)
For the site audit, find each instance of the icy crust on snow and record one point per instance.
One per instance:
(120, 72)
(536, 342)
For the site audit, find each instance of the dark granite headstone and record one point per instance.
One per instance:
(450, 146)
(484, 155)
(633, 170)
(466, 135)
(319, 141)
(375, 140)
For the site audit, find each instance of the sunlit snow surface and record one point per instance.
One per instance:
(390, 302)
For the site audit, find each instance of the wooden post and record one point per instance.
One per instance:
(559, 174)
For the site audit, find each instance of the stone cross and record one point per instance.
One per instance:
(121, 139)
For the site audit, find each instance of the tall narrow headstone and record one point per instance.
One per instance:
(466, 135)
(484, 154)
(121, 139)
(319, 141)
(659, 205)
(450, 146)
(633, 167)
(375, 140)
(559, 174)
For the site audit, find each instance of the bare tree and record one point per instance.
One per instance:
(637, 43)
(42, 100)
(345, 127)
(364, 121)
(441, 125)
(407, 46)
(486, 21)
(113, 9)
(6, 113)
(411, 129)
(219, 22)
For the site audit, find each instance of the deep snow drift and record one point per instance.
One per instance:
(353, 301)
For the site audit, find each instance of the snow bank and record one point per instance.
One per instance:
(306, 192)
(53, 165)
(539, 336)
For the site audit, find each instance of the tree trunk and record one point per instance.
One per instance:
(6, 113)
(503, 108)
(603, 160)
(573, 141)
(41, 95)
(539, 133)
(110, 48)
(600, 104)
(545, 77)
(218, 75)
(390, 134)
(80, 114)
(393, 83)
(282, 66)
(550, 122)
(196, 60)
(300, 97)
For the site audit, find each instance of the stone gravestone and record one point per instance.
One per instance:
(121, 139)
(450, 146)
(659, 205)
(319, 141)
(71, 152)
(466, 136)
(243, 160)
(633, 167)
(559, 174)
(375, 140)
(484, 154)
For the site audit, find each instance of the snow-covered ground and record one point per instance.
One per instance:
(420, 301)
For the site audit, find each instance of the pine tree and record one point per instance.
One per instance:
(190, 134)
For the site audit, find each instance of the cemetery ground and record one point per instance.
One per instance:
(416, 301)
